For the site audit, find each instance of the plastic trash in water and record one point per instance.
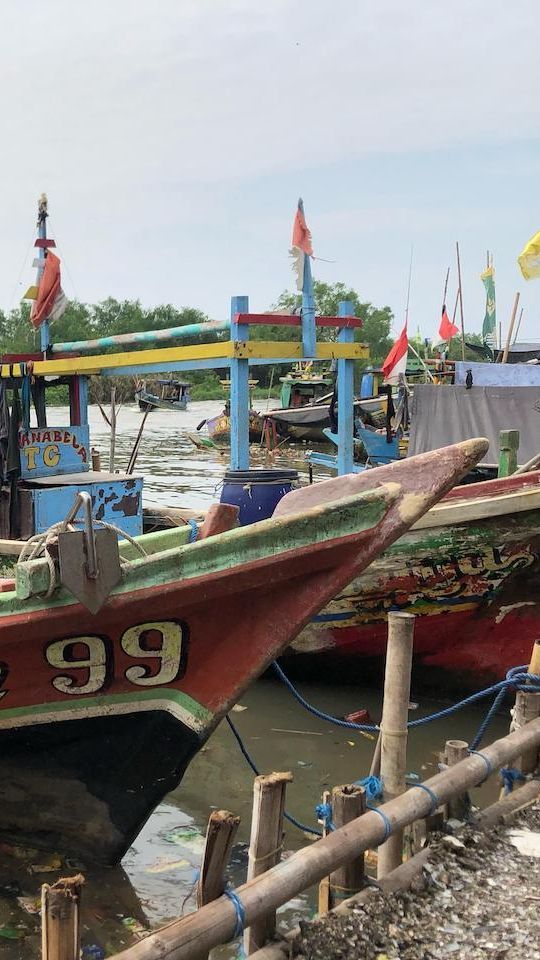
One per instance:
(11, 933)
(92, 951)
(134, 927)
(164, 866)
(30, 905)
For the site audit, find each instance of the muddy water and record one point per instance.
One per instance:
(156, 880)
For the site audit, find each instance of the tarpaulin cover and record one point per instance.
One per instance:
(442, 415)
(498, 374)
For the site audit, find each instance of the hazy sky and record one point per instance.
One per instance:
(173, 139)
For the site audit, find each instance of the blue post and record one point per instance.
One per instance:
(239, 392)
(83, 399)
(44, 333)
(345, 379)
(309, 337)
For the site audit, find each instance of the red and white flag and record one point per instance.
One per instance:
(447, 329)
(396, 361)
(301, 244)
(51, 300)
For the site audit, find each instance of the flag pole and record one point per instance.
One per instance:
(444, 298)
(518, 326)
(511, 329)
(460, 292)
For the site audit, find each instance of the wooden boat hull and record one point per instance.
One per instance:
(310, 422)
(219, 428)
(100, 714)
(149, 402)
(469, 571)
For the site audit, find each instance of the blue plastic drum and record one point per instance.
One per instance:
(256, 492)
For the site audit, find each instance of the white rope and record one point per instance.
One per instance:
(37, 545)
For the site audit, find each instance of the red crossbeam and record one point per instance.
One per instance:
(292, 320)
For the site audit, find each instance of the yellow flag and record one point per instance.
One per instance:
(529, 258)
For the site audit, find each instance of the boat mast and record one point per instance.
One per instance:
(42, 234)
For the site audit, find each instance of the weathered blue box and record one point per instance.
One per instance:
(116, 499)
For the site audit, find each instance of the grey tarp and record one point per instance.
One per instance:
(447, 414)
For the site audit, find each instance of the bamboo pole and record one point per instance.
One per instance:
(136, 445)
(196, 934)
(220, 834)
(460, 291)
(348, 803)
(265, 846)
(113, 430)
(397, 688)
(502, 811)
(60, 925)
(454, 751)
(518, 326)
(511, 328)
(527, 708)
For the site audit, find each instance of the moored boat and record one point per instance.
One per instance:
(121, 651)
(173, 395)
(469, 571)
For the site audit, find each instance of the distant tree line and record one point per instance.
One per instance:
(110, 317)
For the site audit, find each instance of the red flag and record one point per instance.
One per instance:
(51, 301)
(396, 361)
(301, 236)
(447, 329)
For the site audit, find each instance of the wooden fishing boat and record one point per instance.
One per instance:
(173, 395)
(469, 570)
(121, 651)
(104, 702)
(219, 428)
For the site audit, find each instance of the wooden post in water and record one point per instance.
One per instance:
(60, 928)
(324, 885)
(96, 460)
(348, 803)
(265, 846)
(508, 451)
(454, 751)
(113, 430)
(220, 834)
(397, 687)
(527, 708)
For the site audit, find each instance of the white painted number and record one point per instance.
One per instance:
(94, 661)
(136, 642)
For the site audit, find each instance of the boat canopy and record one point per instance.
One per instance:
(444, 415)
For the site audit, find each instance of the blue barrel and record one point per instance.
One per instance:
(256, 492)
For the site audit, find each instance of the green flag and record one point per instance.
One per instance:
(488, 328)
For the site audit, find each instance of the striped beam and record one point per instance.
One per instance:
(142, 336)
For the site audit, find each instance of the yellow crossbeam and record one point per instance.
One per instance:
(247, 349)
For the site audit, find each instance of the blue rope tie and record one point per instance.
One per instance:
(510, 776)
(240, 912)
(372, 785)
(435, 802)
(324, 813)
(487, 761)
(385, 820)
(194, 531)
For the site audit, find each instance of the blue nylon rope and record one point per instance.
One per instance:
(194, 531)
(487, 761)
(509, 776)
(384, 818)
(435, 802)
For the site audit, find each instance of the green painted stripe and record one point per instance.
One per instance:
(201, 716)
(235, 548)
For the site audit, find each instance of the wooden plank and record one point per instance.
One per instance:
(482, 509)
(220, 834)
(508, 452)
(277, 349)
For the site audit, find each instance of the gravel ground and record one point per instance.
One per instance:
(478, 897)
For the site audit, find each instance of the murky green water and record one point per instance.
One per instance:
(156, 880)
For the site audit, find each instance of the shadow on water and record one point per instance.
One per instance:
(157, 877)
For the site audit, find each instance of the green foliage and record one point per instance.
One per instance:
(454, 350)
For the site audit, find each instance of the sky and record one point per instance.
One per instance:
(174, 138)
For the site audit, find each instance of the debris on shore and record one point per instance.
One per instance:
(478, 897)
